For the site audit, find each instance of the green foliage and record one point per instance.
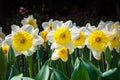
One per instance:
(58, 75)
(43, 74)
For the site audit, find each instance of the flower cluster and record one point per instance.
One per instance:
(65, 37)
(70, 45)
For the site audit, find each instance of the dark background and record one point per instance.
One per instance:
(79, 11)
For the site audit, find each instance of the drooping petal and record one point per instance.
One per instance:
(97, 54)
(50, 36)
(55, 55)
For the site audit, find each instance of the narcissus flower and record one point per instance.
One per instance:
(30, 20)
(25, 39)
(97, 42)
(61, 53)
(5, 49)
(48, 26)
(115, 42)
(43, 34)
(78, 36)
(61, 35)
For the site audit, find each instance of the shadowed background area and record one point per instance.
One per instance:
(79, 11)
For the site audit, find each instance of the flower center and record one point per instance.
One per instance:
(50, 26)
(5, 49)
(22, 41)
(63, 53)
(32, 22)
(62, 36)
(98, 39)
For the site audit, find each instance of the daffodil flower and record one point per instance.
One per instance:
(97, 40)
(114, 37)
(30, 20)
(25, 39)
(61, 35)
(61, 53)
(78, 36)
(48, 26)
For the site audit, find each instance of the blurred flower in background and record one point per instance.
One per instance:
(23, 10)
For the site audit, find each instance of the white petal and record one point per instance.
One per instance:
(55, 55)
(8, 39)
(101, 25)
(68, 24)
(64, 59)
(37, 41)
(70, 45)
(71, 51)
(50, 37)
(35, 32)
(75, 33)
(15, 28)
(28, 53)
(56, 24)
(16, 53)
(30, 16)
(27, 28)
(44, 25)
(97, 54)
(89, 27)
(54, 45)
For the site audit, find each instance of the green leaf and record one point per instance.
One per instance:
(111, 74)
(58, 75)
(79, 73)
(13, 72)
(43, 74)
(3, 62)
(93, 72)
(11, 57)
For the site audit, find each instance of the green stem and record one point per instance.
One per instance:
(3, 76)
(31, 66)
(103, 62)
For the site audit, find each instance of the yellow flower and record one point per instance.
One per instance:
(43, 34)
(115, 43)
(98, 40)
(30, 20)
(61, 53)
(62, 36)
(5, 49)
(80, 40)
(22, 41)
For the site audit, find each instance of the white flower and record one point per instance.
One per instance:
(61, 53)
(48, 26)
(78, 36)
(30, 20)
(25, 39)
(60, 35)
